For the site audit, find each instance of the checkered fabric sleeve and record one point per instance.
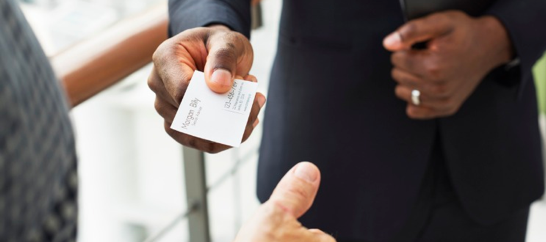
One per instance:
(38, 179)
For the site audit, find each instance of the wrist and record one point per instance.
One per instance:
(496, 40)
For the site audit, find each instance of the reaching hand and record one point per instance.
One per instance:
(460, 52)
(221, 54)
(276, 220)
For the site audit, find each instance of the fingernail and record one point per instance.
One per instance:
(261, 100)
(251, 78)
(306, 171)
(256, 123)
(393, 40)
(221, 77)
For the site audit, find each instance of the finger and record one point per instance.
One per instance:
(158, 87)
(411, 61)
(320, 236)
(229, 54)
(296, 191)
(434, 89)
(251, 78)
(194, 142)
(175, 66)
(259, 102)
(427, 109)
(418, 30)
(166, 110)
(436, 104)
(404, 93)
(407, 79)
(256, 123)
(421, 112)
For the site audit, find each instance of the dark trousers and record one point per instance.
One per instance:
(449, 223)
(438, 215)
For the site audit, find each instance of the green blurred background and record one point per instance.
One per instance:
(540, 79)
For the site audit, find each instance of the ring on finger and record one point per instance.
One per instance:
(416, 97)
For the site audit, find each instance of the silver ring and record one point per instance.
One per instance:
(415, 97)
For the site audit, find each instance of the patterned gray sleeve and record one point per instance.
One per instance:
(38, 179)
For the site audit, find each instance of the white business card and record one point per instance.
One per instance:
(219, 118)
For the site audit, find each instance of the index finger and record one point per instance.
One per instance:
(418, 30)
(175, 60)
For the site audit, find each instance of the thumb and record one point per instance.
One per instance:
(296, 191)
(418, 30)
(229, 55)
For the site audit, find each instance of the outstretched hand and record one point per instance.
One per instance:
(276, 219)
(223, 55)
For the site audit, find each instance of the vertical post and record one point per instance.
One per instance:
(256, 15)
(196, 195)
(237, 209)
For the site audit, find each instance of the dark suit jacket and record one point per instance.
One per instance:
(331, 101)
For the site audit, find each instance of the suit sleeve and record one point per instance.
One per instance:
(523, 20)
(187, 14)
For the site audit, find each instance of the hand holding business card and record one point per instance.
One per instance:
(219, 118)
(228, 54)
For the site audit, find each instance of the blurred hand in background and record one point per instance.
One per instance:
(460, 52)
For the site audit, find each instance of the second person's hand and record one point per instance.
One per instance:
(461, 51)
(277, 219)
(223, 55)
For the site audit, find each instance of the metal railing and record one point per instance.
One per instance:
(196, 195)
